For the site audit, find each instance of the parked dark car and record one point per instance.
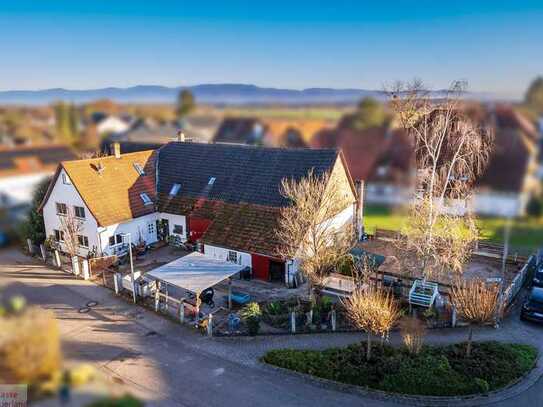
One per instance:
(537, 281)
(532, 309)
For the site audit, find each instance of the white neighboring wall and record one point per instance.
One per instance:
(173, 221)
(221, 253)
(19, 189)
(112, 124)
(142, 228)
(67, 194)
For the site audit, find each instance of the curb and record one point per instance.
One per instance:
(513, 389)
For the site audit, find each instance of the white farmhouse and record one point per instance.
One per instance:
(108, 196)
(225, 197)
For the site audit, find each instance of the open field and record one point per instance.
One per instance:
(526, 233)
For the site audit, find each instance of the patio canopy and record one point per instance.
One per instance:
(195, 272)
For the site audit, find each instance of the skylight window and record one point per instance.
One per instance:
(211, 181)
(145, 198)
(139, 169)
(175, 189)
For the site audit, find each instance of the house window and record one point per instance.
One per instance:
(211, 181)
(83, 241)
(65, 179)
(59, 235)
(119, 238)
(139, 169)
(79, 212)
(232, 256)
(145, 198)
(175, 189)
(151, 228)
(178, 229)
(112, 240)
(62, 209)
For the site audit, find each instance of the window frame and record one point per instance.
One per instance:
(59, 235)
(139, 169)
(65, 179)
(83, 238)
(175, 229)
(175, 189)
(232, 256)
(83, 211)
(146, 199)
(60, 205)
(151, 229)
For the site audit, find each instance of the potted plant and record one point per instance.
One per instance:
(251, 314)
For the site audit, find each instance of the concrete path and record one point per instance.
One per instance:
(172, 365)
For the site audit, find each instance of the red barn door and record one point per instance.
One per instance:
(261, 267)
(197, 227)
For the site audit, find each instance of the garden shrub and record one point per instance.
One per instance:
(435, 371)
(125, 401)
(29, 347)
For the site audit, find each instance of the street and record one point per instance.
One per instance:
(172, 365)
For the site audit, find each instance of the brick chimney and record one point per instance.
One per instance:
(116, 147)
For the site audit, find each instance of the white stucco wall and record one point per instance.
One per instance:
(67, 194)
(19, 189)
(175, 220)
(138, 229)
(221, 253)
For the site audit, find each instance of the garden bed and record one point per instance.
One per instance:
(436, 371)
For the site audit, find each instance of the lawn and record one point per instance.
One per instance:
(435, 371)
(526, 233)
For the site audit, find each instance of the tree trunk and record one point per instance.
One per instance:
(470, 337)
(368, 348)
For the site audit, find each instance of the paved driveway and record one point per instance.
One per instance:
(171, 365)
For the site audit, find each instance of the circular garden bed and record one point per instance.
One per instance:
(435, 371)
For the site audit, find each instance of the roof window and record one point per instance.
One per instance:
(145, 198)
(211, 181)
(139, 169)
(175, 189)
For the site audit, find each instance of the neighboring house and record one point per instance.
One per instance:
(225, 197)
(109, 196)
(112, 125)
(241, 130)
(380, 156)
(384, 159)
(511, 178)
(22, 169)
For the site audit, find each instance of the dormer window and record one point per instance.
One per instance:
(175, 189)
(145, 198)
(211, 181)
(139, 169)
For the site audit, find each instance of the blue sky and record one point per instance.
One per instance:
(495, 45)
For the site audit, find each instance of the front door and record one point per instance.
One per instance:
(277, 271)
(163, 229)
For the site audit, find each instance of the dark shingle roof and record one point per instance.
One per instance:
(243, 174)
(240, 130)
(39, 158)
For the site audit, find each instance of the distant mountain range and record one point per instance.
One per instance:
(215, 94)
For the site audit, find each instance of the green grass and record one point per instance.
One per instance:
(435, 371)
(526, 233)
(277, 112)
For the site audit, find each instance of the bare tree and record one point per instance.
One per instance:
(477, 302)
(372, 309)
(451, 150)
(413, 332)
(71, 227)
(307, 230)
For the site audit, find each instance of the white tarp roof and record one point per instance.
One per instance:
(195, 272)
